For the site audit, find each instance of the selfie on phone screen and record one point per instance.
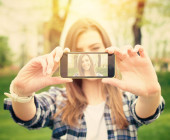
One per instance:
(87, 64)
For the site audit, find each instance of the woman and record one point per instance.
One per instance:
(86, 66)
(92, 109)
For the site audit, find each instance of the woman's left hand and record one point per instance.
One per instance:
(138, 74)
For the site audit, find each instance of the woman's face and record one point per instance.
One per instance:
(85, 63)
(90, 41)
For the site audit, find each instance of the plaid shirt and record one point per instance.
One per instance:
(46, 106)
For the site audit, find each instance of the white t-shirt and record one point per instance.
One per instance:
(95, 122)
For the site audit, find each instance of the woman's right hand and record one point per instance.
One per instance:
(37, 74)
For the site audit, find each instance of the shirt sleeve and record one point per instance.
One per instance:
(141, 121)
(46, 105)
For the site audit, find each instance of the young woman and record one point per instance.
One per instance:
(92, 109)
(85, 66)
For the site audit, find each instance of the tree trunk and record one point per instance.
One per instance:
(99, 60)
(55, 26)
(137, 25)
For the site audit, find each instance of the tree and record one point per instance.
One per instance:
(121, 14)
(136, 28)
(54, 27)
(157, 30)
(5, 53)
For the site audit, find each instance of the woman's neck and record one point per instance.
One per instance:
(93, 91)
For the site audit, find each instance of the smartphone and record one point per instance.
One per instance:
(79, 65)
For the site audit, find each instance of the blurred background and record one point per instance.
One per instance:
(30, 28)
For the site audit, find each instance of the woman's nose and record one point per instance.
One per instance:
(86, 50)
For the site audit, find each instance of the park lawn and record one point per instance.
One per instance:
(9, 130)
(158, 130)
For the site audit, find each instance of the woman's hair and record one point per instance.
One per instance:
(80, 68)
(72, 112)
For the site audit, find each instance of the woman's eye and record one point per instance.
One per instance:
(78, 50)
(96, 48)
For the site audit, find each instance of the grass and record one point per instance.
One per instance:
(159, 130)
(9, 130)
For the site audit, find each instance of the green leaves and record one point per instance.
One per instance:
(5, 52)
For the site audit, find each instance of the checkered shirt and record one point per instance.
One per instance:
(46, 106)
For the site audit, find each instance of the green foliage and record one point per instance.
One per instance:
(162, 6)
(102, 71)
(5, 53)
(72, 71)
(159, 129)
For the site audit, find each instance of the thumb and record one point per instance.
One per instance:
(57, 80)
(114, 82)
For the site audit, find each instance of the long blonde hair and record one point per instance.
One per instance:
(77, 101)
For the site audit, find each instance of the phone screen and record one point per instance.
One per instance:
(87, 65)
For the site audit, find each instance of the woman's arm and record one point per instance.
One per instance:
(36, 75)
(138, 77)
(46, 104)
(147, 106)
(24, 111)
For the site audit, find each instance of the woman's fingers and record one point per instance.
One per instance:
(57, 53)
(56, 80)
(121, 55)
(133, 52)
(130, 51)
(53, 60)
(111, 50)
(141, 51)
(127, 52)
(66, 50)
(38, 63)
(44, 65)
(50, 63)
(138, 50)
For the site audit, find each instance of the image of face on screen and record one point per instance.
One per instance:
(87, 65)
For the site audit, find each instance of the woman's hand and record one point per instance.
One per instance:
(138, 74)
(37, 74)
